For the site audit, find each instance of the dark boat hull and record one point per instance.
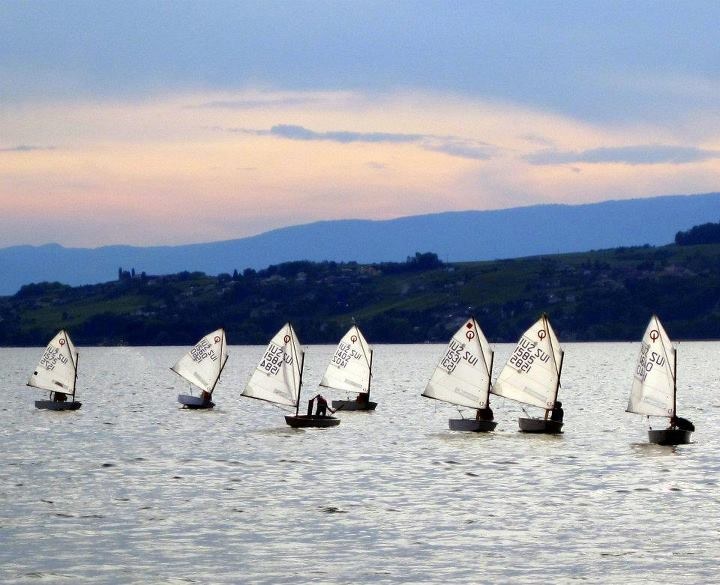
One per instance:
(540, 425)
(669, 436)
(353, 405)
(472, 425)
(52, 405)
(189, 401)
(303, 421)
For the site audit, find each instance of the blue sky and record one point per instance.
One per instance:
(340, 109)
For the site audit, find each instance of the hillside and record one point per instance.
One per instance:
(600, 295)
(454, 236)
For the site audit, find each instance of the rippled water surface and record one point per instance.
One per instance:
(133, 489)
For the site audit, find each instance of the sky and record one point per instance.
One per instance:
(156, 123)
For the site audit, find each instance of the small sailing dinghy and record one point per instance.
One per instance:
(350, 370)
(532, 376)
(654, 389)
(57, 373)
(463, 378)
(278, 379)
(202, 366)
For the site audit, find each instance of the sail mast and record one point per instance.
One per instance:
(302, 367)
(77, 359)
(222, 364)
(370, 375)
(674, 412)
(489, 383)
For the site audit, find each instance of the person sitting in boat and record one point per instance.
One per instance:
(321, 406)
(557, 412)
(59, 397)
(677, 422)
(205, 395)
(484, 414)
(362, 399)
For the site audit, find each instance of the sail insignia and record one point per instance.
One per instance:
(653, 389)
(204, 362)
(462, 377)
(532, 373)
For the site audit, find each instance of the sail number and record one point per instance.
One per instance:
(455, 354)
(274, 358)
(646, 361)
(51, 357)
(525, 354)
(202, 350)
(343, 354)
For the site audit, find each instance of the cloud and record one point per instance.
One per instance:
(249, 104)
(649, 154)
(464, 149)
(300, 133)
(26, 148)
(450, 145)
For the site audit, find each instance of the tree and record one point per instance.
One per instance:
(707, 233)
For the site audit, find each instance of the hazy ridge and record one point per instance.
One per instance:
(454, 236)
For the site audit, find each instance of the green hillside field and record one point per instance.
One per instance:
(597, 295)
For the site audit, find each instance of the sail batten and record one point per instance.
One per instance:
(57, 369)
(350, 367)
(653, 389)
(203, 364)
(532, 373)
(278, 376)
(462, 377)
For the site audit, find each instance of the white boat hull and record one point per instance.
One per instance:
(540, 425)
(189, 401)
(471, 425)
(669, 436)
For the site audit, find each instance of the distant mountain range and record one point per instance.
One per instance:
(454, 236)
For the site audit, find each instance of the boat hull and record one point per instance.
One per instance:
(52, 405)
(669, 436)
(472, 425)
(194, 402)
(303, 421)
(540, 425)
(353, 405)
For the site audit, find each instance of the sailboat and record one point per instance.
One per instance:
(202, 366)
(532, 376)
(463, 377)
(57, 373)
(350, 370)
(278, 379)
(654, 389)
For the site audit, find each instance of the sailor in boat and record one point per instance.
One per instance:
(205, 395)
(321, 406)
(362, 399)
(484, 414)
(677, 422)
(557, 413)
(59, 397)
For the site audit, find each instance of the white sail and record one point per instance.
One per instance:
(532, 373)
(463, 375)
(278, 376)
(653, 389)
(350, 367)
(57, 369)
(202, 365)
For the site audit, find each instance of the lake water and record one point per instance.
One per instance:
(133, 489)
